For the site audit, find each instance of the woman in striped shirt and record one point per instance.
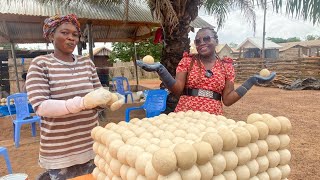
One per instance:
(64, 89)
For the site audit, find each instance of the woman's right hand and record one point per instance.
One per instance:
(150, 67)
(96, 98)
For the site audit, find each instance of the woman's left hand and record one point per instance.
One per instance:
(263, 80)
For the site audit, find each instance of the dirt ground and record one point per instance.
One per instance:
(301, 107)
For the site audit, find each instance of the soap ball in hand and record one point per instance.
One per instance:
(148, 59)
(264, 73)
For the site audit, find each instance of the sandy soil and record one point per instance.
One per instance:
(301, 107)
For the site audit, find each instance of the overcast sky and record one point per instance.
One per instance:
(236, 29)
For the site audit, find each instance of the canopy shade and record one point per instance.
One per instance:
(22, 20)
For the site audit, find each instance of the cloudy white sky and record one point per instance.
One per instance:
(236, 29)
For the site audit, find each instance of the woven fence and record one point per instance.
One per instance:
(290, 69)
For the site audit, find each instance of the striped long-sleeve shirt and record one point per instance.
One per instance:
(64, 141)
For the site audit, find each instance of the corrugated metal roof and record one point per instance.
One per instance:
(22, 20)
(86, 10)
(257, 42)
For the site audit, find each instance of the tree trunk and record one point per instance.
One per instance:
(176, 44)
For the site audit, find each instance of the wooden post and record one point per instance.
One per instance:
(90, 40)
(79, 46)
(15, 65)
(135, 64)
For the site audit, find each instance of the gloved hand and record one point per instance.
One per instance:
(254, 80)
(264, 80)
(150, 67)
(116, 102)
(165, 76)
(96, 98)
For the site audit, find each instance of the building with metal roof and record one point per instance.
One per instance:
(252, 47)
(22, 21)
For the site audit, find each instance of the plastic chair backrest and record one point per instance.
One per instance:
(120, 87)
(21, 105)
(156, 100)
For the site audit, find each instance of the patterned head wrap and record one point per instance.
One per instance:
(51, 23)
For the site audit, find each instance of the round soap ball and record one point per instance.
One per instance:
(242, 172)
(253, 132)
(229, 138)
(263, 162)
(164, 161)
(173, 176)
(253, 167)
(229, 174)
(285, 156)
(274, 158)
(263, 147)
(284, 141)
(254, 117)
(285, 171)
(254, 150)
(218, 163)
(285, 125)
(231, 160)
(150, 172)
(206, 171)
(243, 136)
(142, 161)
(273, 142)
(263, 129)
(274, 125)
(264, 73)
(186, 155)
(274, 173)
(204, 152)
(263, 176)
(244, 154)
(148, 59)
(214, 140)
(191, 174)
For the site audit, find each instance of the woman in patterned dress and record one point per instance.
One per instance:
(204, 81)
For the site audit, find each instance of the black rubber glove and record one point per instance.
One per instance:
(256, 79)
(165, 76)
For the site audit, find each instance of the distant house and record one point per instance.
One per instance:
(224, 50)
(292, 50)
(101, 61)
(251, 48)
(300, 49)
(221, 49)
(101, 57)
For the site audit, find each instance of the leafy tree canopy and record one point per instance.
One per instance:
(125, 51)
(282, 40)
(312, 37)
(233, 45)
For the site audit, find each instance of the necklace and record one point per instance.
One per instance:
(208, 73)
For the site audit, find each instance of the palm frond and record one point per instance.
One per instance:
(221, 8)
(306, 9)
(165, 12)
(247, 8)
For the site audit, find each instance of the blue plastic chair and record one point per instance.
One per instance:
(22, 115)
(118, 83)
(4, 153)
(154, 104)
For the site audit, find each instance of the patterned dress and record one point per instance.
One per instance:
(222, 71)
